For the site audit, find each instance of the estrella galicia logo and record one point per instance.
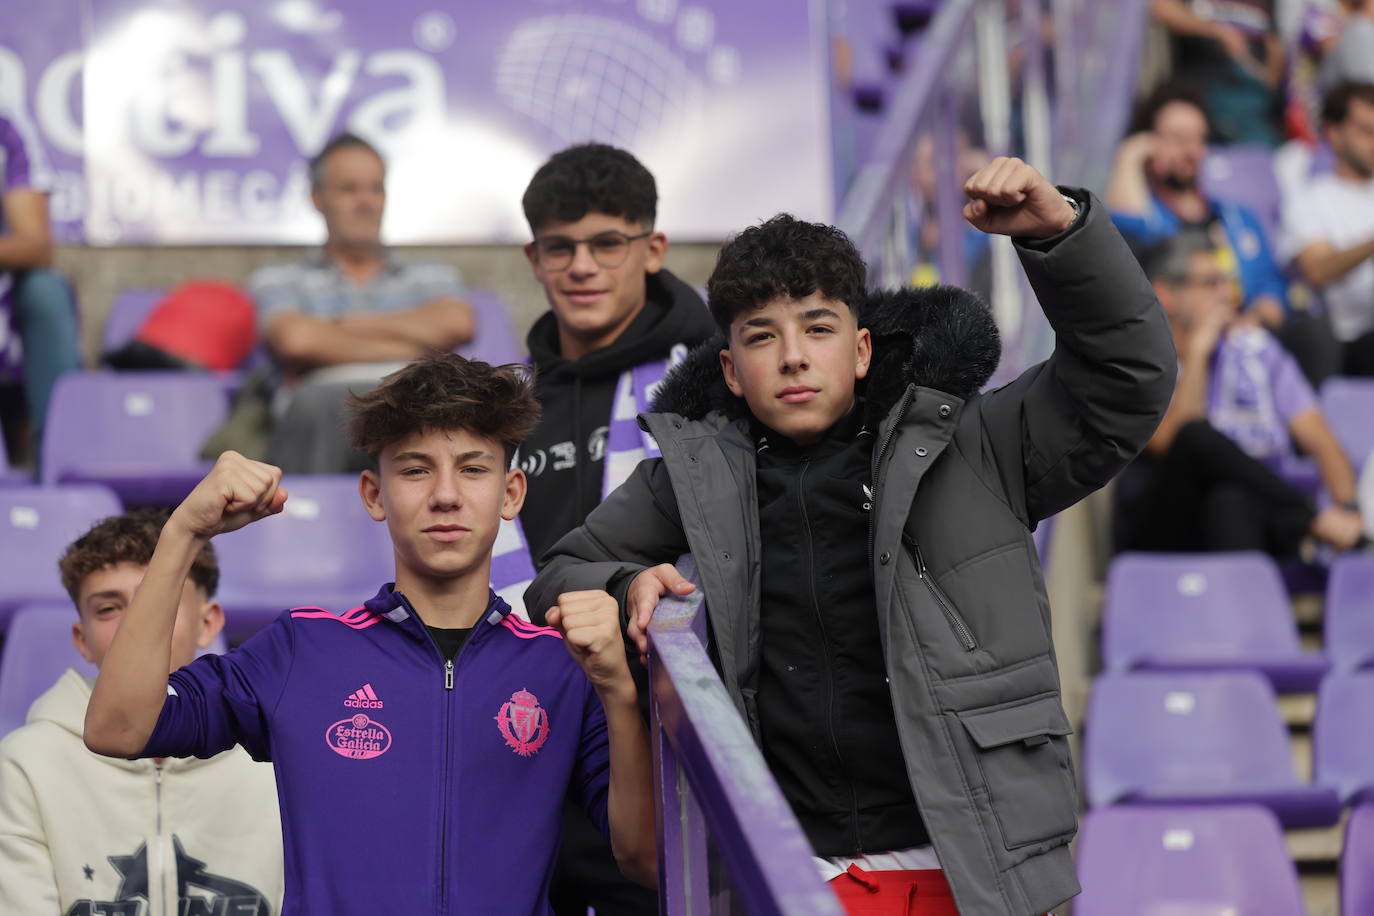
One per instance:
(199, 893)
(358, 738)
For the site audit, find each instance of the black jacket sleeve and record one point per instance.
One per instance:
(1065, 427)
(636, 527)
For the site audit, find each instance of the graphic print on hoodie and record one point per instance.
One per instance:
(85, 835)
(564, 458)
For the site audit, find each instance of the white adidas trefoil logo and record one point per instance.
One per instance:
(363, 698)
(868, 498)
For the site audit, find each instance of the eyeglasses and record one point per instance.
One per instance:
(1210, 281)
(609, 249)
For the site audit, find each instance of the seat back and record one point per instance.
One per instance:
(36, 525)
(1208, 607)
(1210, 860)
(1342, 737)
(323, 540)
(1349, 627)
(1204, 735)
(121, 423)
(1357, 863)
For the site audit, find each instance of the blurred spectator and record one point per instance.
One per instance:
(975, 246)
(1206, 480)
(38, 333)
(81, 833)
(1154, 193)
(1232, 47)
(1329, 225)
(347, 315)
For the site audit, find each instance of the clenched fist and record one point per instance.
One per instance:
(1009, 197)
(590, 623)
(236, 492)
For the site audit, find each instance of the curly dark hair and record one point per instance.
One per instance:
(590, 178)
(446, 392)
(128, 538)
(784, 257)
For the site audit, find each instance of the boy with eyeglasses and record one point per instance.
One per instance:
(617, 321)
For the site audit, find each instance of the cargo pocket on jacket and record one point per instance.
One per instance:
(1023, 755)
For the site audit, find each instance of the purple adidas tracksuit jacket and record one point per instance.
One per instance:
(407, 784)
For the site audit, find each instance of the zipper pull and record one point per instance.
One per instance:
(448, 674)
(915, 554)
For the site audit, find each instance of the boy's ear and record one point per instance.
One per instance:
(863, 343)
(658, 252)
(532, 258)
(79, 640)
(370, 489)
(211, 622)
(516, 487)
(727, 369)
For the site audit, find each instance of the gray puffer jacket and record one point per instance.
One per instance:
(961, 479)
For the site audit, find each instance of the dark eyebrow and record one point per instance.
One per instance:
(821, 312)
(414, 456)
(102, 596)
(473, 455)
(760, 322)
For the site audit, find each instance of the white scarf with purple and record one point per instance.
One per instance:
(512, 567)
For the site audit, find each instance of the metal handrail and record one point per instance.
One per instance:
(711, 777)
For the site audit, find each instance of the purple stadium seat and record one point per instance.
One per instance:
(38, 648)
(1357, 863)
(1228, 859)
(1043, 537)
(127, 314)
(1342, 739)
(1212, 611)
(1346, 404)
(1349, 615)
(1195, 739)
(36, 525)
(139, 433)
(496, 341)
(323, 550)
(1245, 175)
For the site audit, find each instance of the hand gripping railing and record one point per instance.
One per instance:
(714, 790)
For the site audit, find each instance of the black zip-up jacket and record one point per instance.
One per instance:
(825, 712)
(565, 457)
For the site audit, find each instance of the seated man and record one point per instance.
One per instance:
(1330, 225)
(1154, 194)
(38, 335)
(84, 834)
(1207, 480)
(346, 316)
(423, 741)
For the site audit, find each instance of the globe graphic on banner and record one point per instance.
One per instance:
(591, 78)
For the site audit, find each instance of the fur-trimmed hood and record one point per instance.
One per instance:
(940, 337)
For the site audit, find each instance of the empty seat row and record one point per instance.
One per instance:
(1228, 859)
(1169, 738)
(1223, 611)
(323, 549)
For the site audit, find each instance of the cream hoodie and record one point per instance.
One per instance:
(82, 834)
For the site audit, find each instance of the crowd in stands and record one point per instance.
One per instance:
(1265, 309)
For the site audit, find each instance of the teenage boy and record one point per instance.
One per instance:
(423, 741)
(876, 606)
(83, 834)
(617, 321)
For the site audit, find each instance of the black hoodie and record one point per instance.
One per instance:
(564, 458)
